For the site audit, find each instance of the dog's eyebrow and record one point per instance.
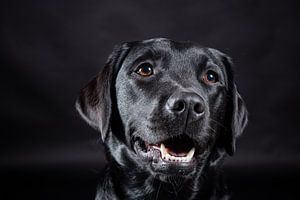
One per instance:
(202, 60)
(146, 54)
(214, 58)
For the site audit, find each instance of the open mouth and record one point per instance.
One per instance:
(180, 149)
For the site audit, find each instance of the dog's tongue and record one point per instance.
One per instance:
(175, 152)
(178, 150)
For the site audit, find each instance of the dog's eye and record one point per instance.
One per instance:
(145, 69)
(210, 77)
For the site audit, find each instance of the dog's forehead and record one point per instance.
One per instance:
(162, 47)
(167, 44)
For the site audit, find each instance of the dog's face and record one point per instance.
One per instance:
(165, 106)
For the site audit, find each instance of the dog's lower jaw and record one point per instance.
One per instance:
(127, 183)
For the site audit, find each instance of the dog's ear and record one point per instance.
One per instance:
(94, 102)
(236, 115)
(235, 120)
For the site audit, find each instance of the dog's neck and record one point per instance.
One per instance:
(125, 182)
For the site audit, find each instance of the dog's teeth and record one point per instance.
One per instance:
(190, 155)
(168, 157)
(163, 150)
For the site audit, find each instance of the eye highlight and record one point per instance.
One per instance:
(144, 69)
(210, 77)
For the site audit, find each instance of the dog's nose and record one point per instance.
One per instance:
(181, 103)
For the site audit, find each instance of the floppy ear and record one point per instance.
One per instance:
(236, 120)
(236, 115)
(94, 101)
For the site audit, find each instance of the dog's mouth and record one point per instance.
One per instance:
(176, 150)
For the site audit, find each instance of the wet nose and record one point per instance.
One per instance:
(182, 103)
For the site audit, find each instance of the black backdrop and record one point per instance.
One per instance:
(50, 49)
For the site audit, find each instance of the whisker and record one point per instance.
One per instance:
(212, 129)
(217, 122)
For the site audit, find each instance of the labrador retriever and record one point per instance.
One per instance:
(168, 113)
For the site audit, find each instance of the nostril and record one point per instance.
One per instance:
(198, 108)
(178, 106)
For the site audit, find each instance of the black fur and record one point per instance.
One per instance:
(131, 110)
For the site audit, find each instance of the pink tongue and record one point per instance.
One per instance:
(177, 154)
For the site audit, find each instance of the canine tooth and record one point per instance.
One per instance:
(190, 155)
(163, 150)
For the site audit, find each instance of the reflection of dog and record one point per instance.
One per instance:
(168, 112)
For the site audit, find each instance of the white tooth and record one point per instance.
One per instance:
(166, 156)
(176, 159)
(163, 150)
(190, 155)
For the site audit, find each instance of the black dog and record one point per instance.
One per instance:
(168, 113)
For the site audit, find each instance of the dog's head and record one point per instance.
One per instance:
(165, 106)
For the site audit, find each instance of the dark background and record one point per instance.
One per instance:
(50, 49)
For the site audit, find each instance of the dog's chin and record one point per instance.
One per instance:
(176, 156)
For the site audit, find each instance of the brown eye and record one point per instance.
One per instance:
(145, 69)
(210, 77)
